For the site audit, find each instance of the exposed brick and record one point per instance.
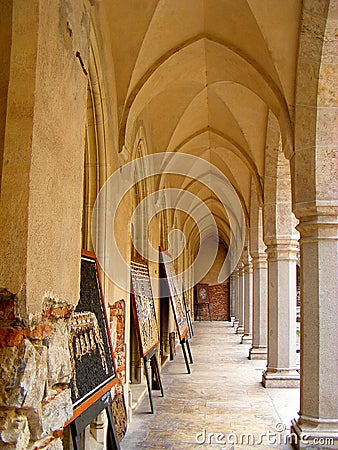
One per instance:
(119, 415)
(40, 332)
(11, 337)
(117, 325)
(219, 303)
(59, 313)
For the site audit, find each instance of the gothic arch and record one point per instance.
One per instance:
(96, 161)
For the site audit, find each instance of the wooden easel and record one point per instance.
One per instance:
(188, 314)
(148, 345)
(178, 307)
(152, 357)
(185, 342)
(78, 425)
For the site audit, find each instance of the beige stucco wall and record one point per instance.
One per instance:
(43, 153)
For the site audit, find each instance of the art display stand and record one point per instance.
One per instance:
(188, 314)
(186, 349)
(94, 372)
(179, 310)
(152, 357)
(79, 424)
(145, 322)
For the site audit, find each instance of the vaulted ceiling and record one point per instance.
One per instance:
(201, 77)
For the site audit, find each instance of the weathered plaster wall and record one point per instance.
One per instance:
(41, 199)
(41, 211)
(5, 52)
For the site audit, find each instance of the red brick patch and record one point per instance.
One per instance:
(219, 303)
(58, 313)
(10, 337)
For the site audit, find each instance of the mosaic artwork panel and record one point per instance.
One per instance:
(144, 308)
(176, 296)
(90, 348)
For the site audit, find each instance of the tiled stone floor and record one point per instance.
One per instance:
(218, 402)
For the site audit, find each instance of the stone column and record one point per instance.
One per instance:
(281, 366)
(240, 326)
(315, 205)
(232, 298)
(318, 417)
(235, 276)
(247, 336)
(260, 302)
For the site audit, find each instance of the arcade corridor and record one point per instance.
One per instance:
(147, 144)
(223, 394)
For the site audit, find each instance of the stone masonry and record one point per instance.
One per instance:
(35, 401)
(117, 326)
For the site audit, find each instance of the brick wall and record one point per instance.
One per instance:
(219, 303)
(117, 324)
(117, 320)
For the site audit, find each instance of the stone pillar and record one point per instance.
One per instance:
(232, 298)
(240, 326)
(260, 302)
(281, 366)
(315, 205)
(41, 209)
(318, 417)
(41, 206)
(235, 276)
(247, 336)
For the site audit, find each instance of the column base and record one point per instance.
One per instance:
(240, 329)
(235, 323)
(280, 378)
(258, 353)
(246, 339)
(307, 433)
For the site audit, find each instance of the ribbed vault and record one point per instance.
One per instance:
(199, 87)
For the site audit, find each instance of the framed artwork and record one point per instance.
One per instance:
(176, 296)
(202, 293)
(143, 308)
(90, 346)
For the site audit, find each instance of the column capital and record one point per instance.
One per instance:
(248, 267)
(304, 211)
(246, 258)
(259, 259)
(318, 227)
(235, 273)
(240, 269)
(282, 249)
